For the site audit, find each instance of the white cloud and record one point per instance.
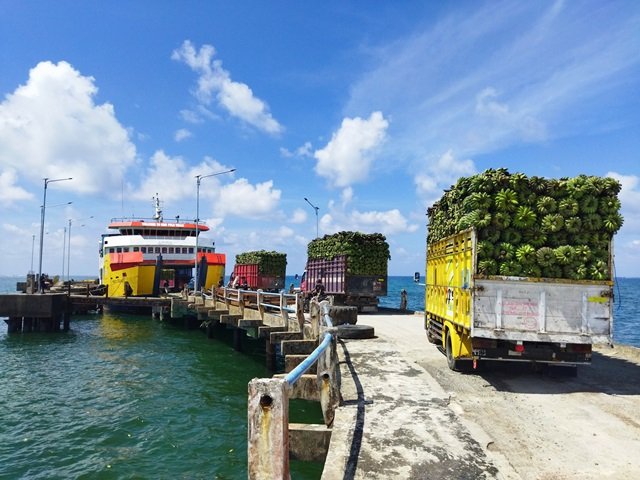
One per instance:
(174, 179)
(52, 126)
(388, 222)
(348, 156)
(214, 81)
(246, 200)
(9, 191)
(182, 134)
(441, 174)
(346, 196)
(302, 151)
(299, 216)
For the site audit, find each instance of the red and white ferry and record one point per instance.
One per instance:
(148, 256)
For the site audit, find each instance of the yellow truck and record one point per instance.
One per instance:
(474, 317)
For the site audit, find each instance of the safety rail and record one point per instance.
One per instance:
(275, 309)
(268, 407)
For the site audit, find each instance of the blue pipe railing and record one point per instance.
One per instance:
(294, 375)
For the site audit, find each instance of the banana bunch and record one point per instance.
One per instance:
(367, 254)
(269, 263)
(533, 226)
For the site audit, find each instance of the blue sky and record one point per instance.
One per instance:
(369, 109)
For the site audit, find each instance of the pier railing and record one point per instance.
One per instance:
(259, 308)
(268, 408)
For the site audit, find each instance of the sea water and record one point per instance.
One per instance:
(122, 396)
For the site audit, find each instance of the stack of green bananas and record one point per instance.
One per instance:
(367, 254)
(533, 226)
(269, 263)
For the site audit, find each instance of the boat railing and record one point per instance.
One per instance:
(270, 437)
(153, 220)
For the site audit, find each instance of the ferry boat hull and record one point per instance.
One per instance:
(127, 274)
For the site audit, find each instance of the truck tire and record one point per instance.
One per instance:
(355, 332)
(451, 361)
(343, 315)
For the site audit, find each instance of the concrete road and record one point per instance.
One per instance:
(518, 423)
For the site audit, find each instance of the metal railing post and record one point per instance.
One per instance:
(268, 432)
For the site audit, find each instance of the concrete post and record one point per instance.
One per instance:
(260, 301)
(268, 436)
(300, 311)
(328, 380)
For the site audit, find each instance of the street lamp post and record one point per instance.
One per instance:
(64, 245)
(198, 178)
(316, 209)
(69, 249)
(47, 181)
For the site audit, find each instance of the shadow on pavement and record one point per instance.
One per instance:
(608, 375)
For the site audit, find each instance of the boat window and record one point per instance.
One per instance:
(111, 250)
(191, 250)
(125, 249)
(157, 249)
(143, 249)
(185, 250)
(170, 249)
(119, 250)
(136, 249)
(164, 249)
(137, 232)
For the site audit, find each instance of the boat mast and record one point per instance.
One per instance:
(158, 215)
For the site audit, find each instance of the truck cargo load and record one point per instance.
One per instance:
(520, 268)
(260, 270)
(351, 266)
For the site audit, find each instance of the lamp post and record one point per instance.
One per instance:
(198, 178)
(69, 249)
(47, 181)
(316, 209)
(64, 245)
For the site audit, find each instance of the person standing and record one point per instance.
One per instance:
(403, 300)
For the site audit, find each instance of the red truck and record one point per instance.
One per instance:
(260, 270)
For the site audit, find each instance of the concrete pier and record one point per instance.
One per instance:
(35, 313)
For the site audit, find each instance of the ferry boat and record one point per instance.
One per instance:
(148, 257)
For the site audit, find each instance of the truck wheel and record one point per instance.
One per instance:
(449, 352)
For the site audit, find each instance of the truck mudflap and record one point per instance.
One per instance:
(543, 352)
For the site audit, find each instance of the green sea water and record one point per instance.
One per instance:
(124, 397)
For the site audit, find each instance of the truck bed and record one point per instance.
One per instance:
(542, 310)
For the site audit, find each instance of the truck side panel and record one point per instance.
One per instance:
(545, 311)
(450, 264)
(257, 280)
(331, 272)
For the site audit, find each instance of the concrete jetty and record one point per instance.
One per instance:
(394, 420)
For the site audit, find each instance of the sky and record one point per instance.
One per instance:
(368, 109)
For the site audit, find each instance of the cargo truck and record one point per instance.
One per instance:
(351, 267)
(347, 289)
(260, 270)
(474, 317)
